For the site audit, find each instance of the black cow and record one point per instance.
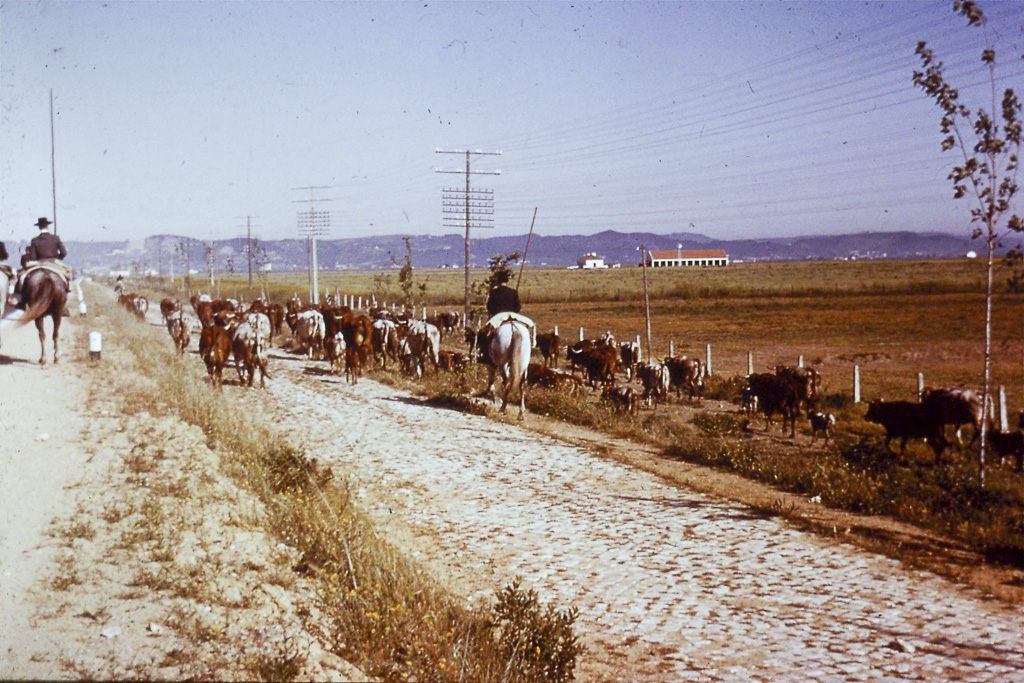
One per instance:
(905, 420)
(774, 395)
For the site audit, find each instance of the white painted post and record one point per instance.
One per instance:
(920, 385)
(750, 363)
(360, 303)
(707, 364)
(556, 330)
(95, 345)
(81, 308)
(345, 299)
(856, 384)
(1004, 421)
(640, 355)
(581, 334)
(671, 348)
(800, 361)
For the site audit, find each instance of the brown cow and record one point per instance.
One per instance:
(600, 362)
(358, 333)
(169, 307)
(215, 349)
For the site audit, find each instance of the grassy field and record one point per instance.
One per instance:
(893, 319)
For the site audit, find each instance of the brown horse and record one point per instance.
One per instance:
(44, 295)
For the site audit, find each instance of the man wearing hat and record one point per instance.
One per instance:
(44, 247)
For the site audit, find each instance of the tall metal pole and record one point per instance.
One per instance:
(53, 165)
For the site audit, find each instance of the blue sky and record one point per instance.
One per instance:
(732, 119)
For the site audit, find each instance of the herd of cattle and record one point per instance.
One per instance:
(348, 341)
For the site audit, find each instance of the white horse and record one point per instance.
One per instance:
(509, 351)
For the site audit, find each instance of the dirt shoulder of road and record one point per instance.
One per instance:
(126, 552)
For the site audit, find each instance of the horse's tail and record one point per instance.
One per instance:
(517, 368)
(45, 295)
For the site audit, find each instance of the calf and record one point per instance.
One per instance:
(824, 423)
(622, 397)
(358, 333)
(450, 361)
(334, 349)
(215, 349)
(1008, 446)
(905, 420)
(552, 378)
(655, 379)
(169, 307)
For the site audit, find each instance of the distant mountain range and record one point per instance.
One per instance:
(428, 251)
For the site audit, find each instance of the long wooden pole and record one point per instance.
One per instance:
(647, 300)
(527, 249)
(53, 165)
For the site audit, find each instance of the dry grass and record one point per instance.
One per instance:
(383, 612)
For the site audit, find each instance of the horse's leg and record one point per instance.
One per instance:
(56, 330)
(42, 339)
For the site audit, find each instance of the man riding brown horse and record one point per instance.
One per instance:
(44, 251)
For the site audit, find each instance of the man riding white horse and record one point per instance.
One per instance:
(44, 251)
(503, 304)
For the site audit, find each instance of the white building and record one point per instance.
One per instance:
(693, 257)
(590, 262)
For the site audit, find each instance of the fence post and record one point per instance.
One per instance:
(800, 361)
(707, 364)
(750, 363)
(671, 349)
(581, 334)
(1004, 421)
(360, 303)
(640, 355)
(856, 384)
(920, 385)
(556, 330)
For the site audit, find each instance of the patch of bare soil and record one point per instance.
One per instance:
(124, 551)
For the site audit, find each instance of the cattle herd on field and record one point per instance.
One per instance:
(348, 341)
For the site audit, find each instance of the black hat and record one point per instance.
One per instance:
(43, 222)
(502, 276)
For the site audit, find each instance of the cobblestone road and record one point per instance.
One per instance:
(693, 587)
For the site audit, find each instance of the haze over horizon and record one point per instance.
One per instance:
(728, 119)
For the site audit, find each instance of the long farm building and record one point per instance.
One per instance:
(694, 257)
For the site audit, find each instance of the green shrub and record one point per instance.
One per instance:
(537, 642)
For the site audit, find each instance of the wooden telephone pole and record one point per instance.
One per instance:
(476, 207)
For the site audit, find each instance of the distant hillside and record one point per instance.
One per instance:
(431, 251)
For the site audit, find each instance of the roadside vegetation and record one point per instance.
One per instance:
(382, 612)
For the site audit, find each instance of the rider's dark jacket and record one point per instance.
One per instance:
(503, 299)
(45, 245)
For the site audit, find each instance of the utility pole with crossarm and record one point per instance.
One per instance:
(474, 207)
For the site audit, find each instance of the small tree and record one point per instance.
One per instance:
(412, 292)
(990, 145)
